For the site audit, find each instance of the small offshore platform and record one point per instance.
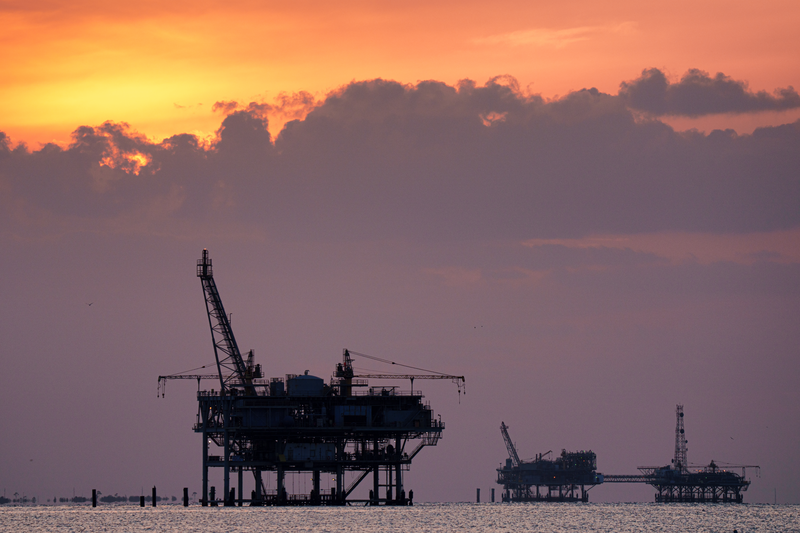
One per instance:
(679, 483)
(565, 479)
(300, 424)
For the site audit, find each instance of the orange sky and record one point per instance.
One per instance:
(161, 67)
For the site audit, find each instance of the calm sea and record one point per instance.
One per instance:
(512, 518)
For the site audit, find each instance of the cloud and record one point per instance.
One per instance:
(426, 162)
(225, 106)
(698, 94)
(540, 37)
(551, 38)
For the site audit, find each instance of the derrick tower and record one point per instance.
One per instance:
(680, 461)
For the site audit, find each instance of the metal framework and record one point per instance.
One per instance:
(677, 483)
(564, 479)
(278, 427)
(512, 450)
(680, 461)
(709, 484)
(233, 373)
(559, 480)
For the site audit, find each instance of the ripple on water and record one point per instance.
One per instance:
(433, 518)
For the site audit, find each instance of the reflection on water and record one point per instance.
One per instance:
(549, 518)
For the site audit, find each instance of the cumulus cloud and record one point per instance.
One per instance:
(698, 93)
(431, 161)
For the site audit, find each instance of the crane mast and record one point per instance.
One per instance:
(512, 451)
(233, 372)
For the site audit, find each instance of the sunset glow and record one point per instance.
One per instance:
(161, 68)
(589, 209)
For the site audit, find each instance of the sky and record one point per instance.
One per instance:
(589, 211)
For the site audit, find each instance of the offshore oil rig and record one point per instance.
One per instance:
(278, 427)
(679, 483)
(559, 480)
(563, 479)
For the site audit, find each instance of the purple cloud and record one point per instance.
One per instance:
(699, 94)
(423, 162)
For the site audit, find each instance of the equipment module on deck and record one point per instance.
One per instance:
(302, 424)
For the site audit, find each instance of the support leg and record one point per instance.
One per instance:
(204, 494)
(281, 488)
(241, 473)
(399, 494)
(259, 492)
(227, 468)
(376, 477)
(340, 483)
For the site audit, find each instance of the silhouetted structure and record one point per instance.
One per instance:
(677, 483)
(301, 424)
(563, 479)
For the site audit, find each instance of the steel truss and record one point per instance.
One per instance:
(282, 435)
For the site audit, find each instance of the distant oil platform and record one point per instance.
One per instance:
(300, 424)
(569, 478)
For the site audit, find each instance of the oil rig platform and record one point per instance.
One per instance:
(566, 478)
(678, 483)
(299, 424)
(563, 479)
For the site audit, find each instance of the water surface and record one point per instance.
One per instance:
(497, 517)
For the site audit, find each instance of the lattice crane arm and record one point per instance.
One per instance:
(512, 450)
(233, 372)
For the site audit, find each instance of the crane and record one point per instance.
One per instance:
(233, 372)
(512, 451)
(162, 380)
(345, 372)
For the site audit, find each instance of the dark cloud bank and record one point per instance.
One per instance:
(698, 94)
(430, 161)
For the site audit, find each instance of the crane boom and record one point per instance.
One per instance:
(458, 380)
(512, 451)
(233, 373)
(345, 374)
(162, 380)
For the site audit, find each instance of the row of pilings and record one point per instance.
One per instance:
(154, 498)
